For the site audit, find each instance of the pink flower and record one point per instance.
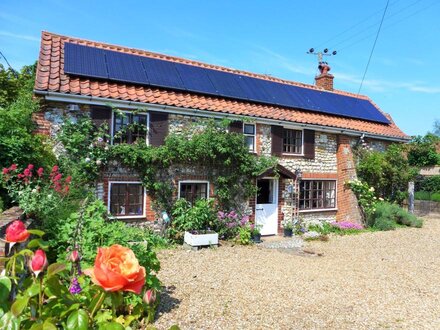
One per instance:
(57, 177)
(16, 232)
(150, 297)
(13, 167)
(30, 167)
(74, 256)
(38, 263)
(40, 171)
(55, 168)
(5, 170)
(68, 179)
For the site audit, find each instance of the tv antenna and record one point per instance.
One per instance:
(320, 54)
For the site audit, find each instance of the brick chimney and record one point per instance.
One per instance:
(325, 79)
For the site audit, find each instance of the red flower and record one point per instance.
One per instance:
(13, 167)
(5, 170)
(68, 179)
(57, 177)
(30, 167)
(38, 263)
(40, 171)
(16, 232)
(55, 168)
(27, 172)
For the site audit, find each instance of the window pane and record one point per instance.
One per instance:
(292, 141)
(316, 194)
(192, 191)
(249, 129)
(126, 199)
(249, 140)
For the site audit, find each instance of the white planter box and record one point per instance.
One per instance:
(201, 239)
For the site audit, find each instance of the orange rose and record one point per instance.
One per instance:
(117, 269)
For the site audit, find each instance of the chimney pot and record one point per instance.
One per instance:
(325, 79)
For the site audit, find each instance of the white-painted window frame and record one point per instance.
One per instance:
(324, 209)
(147, 140)
(194, 181)
(252, 135)
(144, 214)
(302, 141)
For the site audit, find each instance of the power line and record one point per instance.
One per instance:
(353, 26)
(373, 25)
(6, 60)
(391, 25)
(372, 49)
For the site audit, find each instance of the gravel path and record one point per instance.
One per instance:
(384, 280)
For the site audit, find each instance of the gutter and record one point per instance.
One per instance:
(84, 99)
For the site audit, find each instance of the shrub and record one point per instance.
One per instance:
(422, 195)
(430, 184)
(228, 224)
(387, 216)
(422, 150)
(200, 216)
(435, 197)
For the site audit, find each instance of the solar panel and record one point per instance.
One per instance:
(84, 61)
(98, 63)
(125, 67)
(162, 73)
(195, 78)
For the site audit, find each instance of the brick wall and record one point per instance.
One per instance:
(348, 209)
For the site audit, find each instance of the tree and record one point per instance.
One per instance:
(422, 150)
(437, 127)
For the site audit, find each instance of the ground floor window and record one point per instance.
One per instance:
(192, 190)
(126, 199)
(317, 194)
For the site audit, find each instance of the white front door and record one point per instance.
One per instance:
(266, 208)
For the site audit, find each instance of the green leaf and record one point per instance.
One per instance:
(174, 327)
(78, 320)
(111, 326)
(18, 305)
(33, 290)
(38, 242)
(37, 326)
(48, 325)
(5, 288)
(9, 322)
(36, 232)
(55, 268)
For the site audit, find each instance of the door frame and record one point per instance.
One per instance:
(276, 181)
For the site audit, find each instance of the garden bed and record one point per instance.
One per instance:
(373, 280)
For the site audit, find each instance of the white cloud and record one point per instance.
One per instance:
(18, 36)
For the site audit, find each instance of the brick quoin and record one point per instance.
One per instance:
(348, 209)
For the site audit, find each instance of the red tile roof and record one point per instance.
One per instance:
(51, 77)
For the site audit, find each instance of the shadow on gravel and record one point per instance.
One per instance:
(167, 301)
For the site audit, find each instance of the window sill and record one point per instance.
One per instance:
(317, 210)
(292, 155)
(124, 217)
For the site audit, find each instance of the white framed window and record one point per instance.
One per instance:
(293, 141)
(317, 195)
(249, 136)
(129, 127)
(126, 199)
(193, 190)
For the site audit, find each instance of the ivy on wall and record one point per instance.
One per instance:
(205, 147)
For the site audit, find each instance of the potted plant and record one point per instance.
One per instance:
(287, 227)
(256, 233)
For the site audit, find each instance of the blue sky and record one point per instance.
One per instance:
(269, 37)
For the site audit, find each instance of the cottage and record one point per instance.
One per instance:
(310, 128)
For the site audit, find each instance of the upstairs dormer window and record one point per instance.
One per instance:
(292, 141)
(129, 127)
(249, 136)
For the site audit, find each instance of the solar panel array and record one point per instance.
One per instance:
(99, 63)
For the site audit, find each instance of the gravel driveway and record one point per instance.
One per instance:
(383, 280)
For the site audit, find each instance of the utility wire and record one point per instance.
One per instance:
(372, 49)
(6, 60)
(392, 24)
(353, 26)
(373, 25)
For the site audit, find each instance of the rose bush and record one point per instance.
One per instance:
(117, 269)
(35, 295)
